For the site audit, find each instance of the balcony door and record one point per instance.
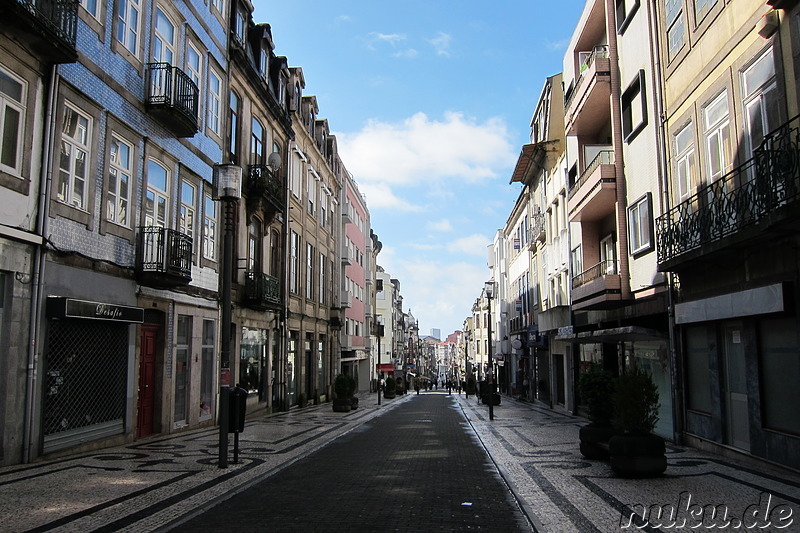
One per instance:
(165, 37)
(608, 255)
(735, 393)
(157, 195)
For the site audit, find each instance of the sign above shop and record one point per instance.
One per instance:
(60, 307)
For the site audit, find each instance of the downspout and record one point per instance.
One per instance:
(675, 366)
(280, 371)
(619, 167)
(39, 262)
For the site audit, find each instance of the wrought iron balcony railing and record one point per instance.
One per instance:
(54, 24)
(263, 183)
(603, 268)
(171, 92)
(746, 195)
(261, 290)
(163, 256)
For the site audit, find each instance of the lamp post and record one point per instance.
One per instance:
(489, 290)
(227, 189)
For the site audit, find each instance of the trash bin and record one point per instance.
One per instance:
(237, 407)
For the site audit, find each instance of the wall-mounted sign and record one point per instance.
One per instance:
(60, 307)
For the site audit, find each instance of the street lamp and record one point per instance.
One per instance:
(227, 180)
(488, 288)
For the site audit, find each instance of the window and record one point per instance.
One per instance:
(129, 24)
(761, 100)
(256, 143)
(183, 361)
(119, 181)
(164, 39)
(187, 215)
(312, 191)
(676, 26)
(274, 254)
(241, 26)
(73, 161)
(219, 5)
(780, 371)
(207, 371)
(157, 195)
(698, 374)
(294, 262)
(717, 136)
(254, 246)
(214, 101)
(210, 229)
(625, 11)
(264, 61)
(323, 282)
(684, 162)
(640, 226)
(608, 255)
(309, 271)
(194, 66)
(233, 137)
(634, 111)
(701, 7)
(12, 120)
(91, 7)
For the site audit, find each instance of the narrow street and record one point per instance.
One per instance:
(417, 468)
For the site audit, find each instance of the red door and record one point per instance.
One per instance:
(147, 366)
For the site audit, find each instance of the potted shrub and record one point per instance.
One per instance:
(344, 386)
(634, 450)
(596, 388)
(388, 390)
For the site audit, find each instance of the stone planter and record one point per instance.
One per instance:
(594, 440)
(342, 405)
(637, 456)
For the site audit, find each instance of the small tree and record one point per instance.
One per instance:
(635, 402)
(596, 388)
(344, 385)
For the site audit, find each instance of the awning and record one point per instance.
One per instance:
(623, 334)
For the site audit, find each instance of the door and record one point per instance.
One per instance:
(735, 382)
(145, 407)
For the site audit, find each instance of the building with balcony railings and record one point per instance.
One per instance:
(314, 229)
(36, 38)
(540, 301)
(617, 295)
(729, 234)
(127, 277)
(257, 139)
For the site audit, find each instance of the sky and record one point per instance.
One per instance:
(431, 102)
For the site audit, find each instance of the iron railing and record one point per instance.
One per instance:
(58, 16)
(603, 268)
(263, 182)
(605, 157)
(164, 251)
(261, 290)
(170, 87)
(743, 197)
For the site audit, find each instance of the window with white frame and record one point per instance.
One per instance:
(240, 28)
(264, 61)
(716, 129)
(219, 5)
(188, 208)
(74, 157)
(194, 67)
(120, 167)
(676, 26)
(13, 92)
(294, 262)
(322, 278)
(129, 25)
(310, 255)
(157, 195)
(165, 38)
(209, 228)
(91, 7)
(761, 101)
(312, 191)
(684, 162)
(214, 101)
(640, 225)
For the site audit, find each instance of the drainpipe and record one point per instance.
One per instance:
(661, 133)
(619, 167)
(39, 262)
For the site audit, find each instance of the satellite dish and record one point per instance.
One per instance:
(274, 161)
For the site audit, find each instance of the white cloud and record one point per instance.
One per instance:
(392, 39)
(441, 43)
(474, 245)
(380, 196)
(443, 225)
(409, 53)
(421, 150)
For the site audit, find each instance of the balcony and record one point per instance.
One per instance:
(751, 203)
(46, 27)
(346, 299)
(593, 195)
(172, 97)
(261, 291)
(597, 287)
(163, 257)
(264, 190)
(587, 106)
(539, 227)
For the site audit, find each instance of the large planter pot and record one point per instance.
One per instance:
(637, 456)
(594, 440)
(388, 394)
(342, 405)
(354, 403)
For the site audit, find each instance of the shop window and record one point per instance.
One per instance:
(780, 374)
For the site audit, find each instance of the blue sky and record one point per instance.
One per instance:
(431, 102)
